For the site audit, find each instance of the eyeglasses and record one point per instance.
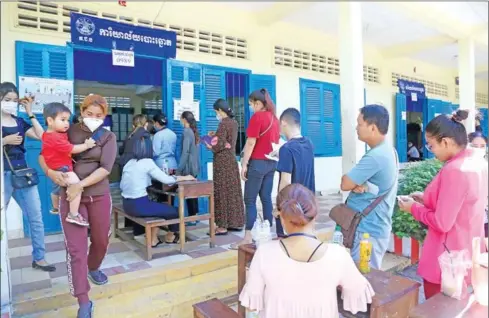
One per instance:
(429, 147)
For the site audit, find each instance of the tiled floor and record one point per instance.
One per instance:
(122, 256)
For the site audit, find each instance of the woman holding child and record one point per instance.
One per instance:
(92, 168)
(14, 131)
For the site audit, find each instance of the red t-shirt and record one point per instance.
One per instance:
(257, 126)
(56, 150)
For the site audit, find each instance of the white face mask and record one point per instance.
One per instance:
(218, 118)
(479, 152)
(92, 123)
(10, 108)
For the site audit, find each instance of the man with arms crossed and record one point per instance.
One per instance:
(373, 176)
(296, 157)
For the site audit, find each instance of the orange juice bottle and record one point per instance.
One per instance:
(365, 252)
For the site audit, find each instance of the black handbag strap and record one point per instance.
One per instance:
(379, 199)
(8, 159)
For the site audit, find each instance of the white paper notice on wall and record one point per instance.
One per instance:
(404, 115)
(187, 92)
(123, 58)
(45, 91)
(180, 106)
(414, 97)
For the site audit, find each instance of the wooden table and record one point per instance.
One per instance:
(193, 190)
(185, 190)
(394, 296)
(441, 306)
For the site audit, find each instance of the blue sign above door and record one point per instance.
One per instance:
(106, 34)
(408, 88)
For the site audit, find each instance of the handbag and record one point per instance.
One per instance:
(22, 178)
(349, 219)
(261, 135)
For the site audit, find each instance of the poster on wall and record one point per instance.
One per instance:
(44, 91)
(180, 106)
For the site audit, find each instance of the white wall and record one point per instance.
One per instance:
(261, 42)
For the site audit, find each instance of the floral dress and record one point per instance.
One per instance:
(228, 196)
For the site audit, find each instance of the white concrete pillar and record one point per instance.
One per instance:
(466, 73)
(351, 80)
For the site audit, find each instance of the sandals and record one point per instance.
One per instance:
(176, 240)
(157, 244)
(218, 233)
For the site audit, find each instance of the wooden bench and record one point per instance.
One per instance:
(185, 190)
(441, 306)
(213, 308)
(394, 296)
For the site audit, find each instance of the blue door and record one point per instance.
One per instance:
(429, 112)
(47, 61)
(178, 72)
(484, 123)
(214, 88)
(401, 127)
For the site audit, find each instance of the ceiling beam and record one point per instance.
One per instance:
(278, 11)
(432, 17)
(410, 48)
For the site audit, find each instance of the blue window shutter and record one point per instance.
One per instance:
(264, 81)
(214, 88)
(401, 127)
(46, 61)
(484, 121)
(177, 73)
(321, 116)
(312, 115)
(332, 119)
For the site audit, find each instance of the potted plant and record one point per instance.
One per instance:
(414, 177)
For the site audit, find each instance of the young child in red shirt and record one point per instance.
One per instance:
(57, 150)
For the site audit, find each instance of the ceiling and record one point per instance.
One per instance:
(427, 31)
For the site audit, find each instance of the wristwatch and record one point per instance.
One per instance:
(32, 117)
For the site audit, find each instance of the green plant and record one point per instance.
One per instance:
(414, 178)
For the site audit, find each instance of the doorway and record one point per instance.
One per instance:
(414, 126)
(236, 88)
(128, 90)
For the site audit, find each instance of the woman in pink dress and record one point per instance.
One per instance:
(297, 277)
(453, 204)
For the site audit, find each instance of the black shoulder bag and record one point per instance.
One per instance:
(22, 178)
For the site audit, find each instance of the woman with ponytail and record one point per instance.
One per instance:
(228, 197)
(256, 169)
(189, 159)
(287, 278)
(453, 204)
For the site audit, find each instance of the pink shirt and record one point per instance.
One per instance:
(453, 210)
(280, 287)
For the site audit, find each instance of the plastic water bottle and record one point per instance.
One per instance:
(337, 236)
(165, 167)
(365, 252)
(261, 232)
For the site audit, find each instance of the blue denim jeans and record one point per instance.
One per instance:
(379, 247)
(260, 182)
(29, 201)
